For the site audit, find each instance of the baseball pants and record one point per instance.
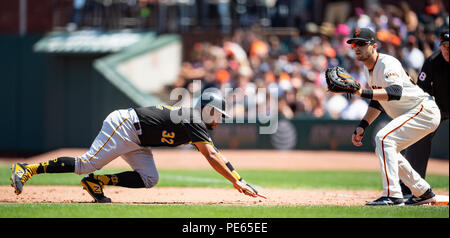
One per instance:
(397, 135)
(119, 137)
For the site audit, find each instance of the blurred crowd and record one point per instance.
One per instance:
(181, 16)
(294, 66)
(249, 59)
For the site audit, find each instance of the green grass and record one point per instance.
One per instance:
(216, 211)
(353, 180)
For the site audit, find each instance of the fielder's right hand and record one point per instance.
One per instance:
(357, 136)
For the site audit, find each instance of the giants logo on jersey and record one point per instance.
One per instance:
(388, 75)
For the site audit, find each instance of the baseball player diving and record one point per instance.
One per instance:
(130, 133)
(414, 115)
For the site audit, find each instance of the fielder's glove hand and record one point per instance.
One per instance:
(340, 81)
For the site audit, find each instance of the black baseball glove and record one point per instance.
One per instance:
(340, 81)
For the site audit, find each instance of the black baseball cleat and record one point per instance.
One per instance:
(407, 196)
(386, 201)
(427, 197)
(95, 188)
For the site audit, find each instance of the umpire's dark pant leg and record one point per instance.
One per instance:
(418, 154)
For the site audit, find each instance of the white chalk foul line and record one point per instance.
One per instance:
(201, 179)
(195, 179)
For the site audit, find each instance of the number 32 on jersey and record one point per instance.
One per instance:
(167, 137)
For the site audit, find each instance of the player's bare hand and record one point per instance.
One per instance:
(357, 136)
(243, 188)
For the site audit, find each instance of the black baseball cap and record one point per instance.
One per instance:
(444, 38)
(363, 34)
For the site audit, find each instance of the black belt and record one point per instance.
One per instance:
(137, 126)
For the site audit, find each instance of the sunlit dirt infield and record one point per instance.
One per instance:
(241, 159)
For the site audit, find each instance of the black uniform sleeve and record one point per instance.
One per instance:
(197, 133)
(425, 78)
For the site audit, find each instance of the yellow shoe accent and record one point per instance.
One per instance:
(95, 188)
(33, 168)
(20, 175)
(102, 178)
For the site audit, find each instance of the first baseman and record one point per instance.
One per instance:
(414, 115)
(129, 133)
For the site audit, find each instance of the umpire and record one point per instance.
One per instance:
(433, 79)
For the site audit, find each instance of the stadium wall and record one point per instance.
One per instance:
(50, 101)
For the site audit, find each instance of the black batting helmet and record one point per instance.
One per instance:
(215, 100)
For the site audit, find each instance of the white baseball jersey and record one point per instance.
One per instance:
(414, 116)
(389, 71)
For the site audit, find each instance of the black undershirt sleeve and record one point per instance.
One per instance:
(375, 104)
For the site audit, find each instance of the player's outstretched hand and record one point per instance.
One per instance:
(357, 136)
(243, 188)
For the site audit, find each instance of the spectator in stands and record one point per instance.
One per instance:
(187, 13)
(294, 67)
(336, 104)
(76, 19)
(355, 110)
(223, 9)
(409, 17)
(414, 57)
(337, 11)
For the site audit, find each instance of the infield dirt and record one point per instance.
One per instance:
(247, 159)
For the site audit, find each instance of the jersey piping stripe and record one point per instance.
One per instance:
(376, 60)
(201, 142)
(114, 132)
(382, 146)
